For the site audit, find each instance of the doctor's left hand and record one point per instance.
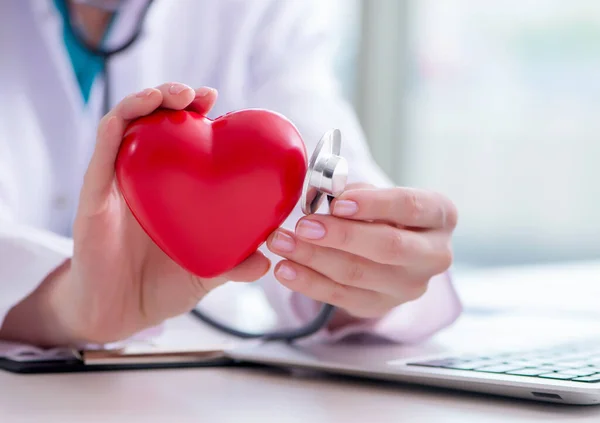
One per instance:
(378, 249)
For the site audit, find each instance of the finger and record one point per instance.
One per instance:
(378, 242)
(358, 302)
(397, 206)
(204, 100)
(359, 185)
(340, 266)
(176, 96)
(251, 269)
(99, 175)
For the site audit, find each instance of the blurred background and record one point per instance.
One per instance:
(495, 103)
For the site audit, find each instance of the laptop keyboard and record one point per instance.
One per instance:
(574, 363)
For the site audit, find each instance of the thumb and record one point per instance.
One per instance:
(99, 177)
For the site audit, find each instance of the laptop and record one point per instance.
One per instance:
(536, 357)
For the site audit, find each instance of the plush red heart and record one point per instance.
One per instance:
(209, 192)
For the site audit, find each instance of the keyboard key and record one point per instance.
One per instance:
(502, 368)
(469, 357)
(576, 357)
(593, 378)
(543, 364)
(579, 372)
(521, 364)
(535, 357)
(529, 372)
(556, 376)
(534, 363)
(432, 363)
(473, 365)
(572, 364)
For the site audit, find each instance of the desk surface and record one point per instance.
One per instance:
(257, 395)
(253, 395)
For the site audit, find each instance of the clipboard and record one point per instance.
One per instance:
(76, 365)
(164, 352)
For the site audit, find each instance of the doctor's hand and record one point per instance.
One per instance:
(118, 281)
(378, 249)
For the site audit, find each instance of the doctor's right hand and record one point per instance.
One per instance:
(118, 281)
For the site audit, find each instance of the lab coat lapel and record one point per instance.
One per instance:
(47, 26)
(56, 102)
(52, 80)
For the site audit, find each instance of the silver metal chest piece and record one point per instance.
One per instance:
(327, 172)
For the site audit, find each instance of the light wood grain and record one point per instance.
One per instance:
(253, 395)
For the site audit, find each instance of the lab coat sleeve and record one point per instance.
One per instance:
(27, 256)
(292, 73)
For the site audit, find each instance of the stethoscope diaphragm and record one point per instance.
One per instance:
(327, 172)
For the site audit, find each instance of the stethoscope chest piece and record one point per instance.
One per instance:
(327, 172)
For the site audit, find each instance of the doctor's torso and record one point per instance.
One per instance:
(47, 129)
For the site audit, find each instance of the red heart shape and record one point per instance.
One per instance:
(209, 192)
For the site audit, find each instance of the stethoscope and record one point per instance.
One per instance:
(325, 179)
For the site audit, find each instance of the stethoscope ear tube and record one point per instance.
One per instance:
(106, 54)
(102, 52)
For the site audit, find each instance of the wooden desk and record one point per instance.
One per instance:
(253, 395)
(240, 395)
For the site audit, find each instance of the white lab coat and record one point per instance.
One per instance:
(273, 54)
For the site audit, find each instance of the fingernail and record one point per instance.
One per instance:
(283, 242)
(310, 229)
(285, 271)
(204, 91)
(178, 88)
(345, 208)
(145, 93)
